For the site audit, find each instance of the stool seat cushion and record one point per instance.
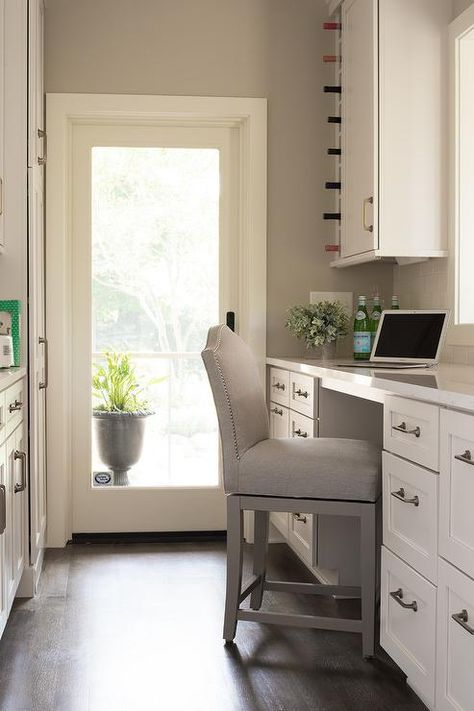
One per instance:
(326, 468)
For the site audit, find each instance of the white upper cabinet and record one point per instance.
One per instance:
(393, 132)
(36, 114)
(359, 127)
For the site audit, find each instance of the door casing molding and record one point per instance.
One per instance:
(63, 111)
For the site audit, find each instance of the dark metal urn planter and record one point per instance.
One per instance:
(120, 440)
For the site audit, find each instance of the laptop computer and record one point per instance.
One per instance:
(406, 339)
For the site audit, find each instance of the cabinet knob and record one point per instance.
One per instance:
(13, 406)
(299, 433)
(466, 457)
(462, 618)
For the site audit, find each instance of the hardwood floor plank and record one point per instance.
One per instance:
(128, 627)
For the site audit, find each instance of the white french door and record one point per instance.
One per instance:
(155, 255)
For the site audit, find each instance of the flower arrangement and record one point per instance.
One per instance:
(318, 324)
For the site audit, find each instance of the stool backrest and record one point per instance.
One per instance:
(238, 396)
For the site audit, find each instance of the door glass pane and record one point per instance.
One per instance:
(155, 291)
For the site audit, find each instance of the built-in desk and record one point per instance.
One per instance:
(425, 420)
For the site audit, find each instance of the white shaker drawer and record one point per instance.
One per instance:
(279, 386)
(14, 405)
(455, 641)
(411, 429)
(456, 481)
(303, 394)
(408, 621)
(279, 421)
(410, 514)
(302, 426)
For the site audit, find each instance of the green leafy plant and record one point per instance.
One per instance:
(318, 324)
(116, 387)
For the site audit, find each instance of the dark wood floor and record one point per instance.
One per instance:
(138, 628)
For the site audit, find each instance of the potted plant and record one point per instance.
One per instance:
(319, 325)
(119, 414)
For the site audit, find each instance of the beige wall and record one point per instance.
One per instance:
(263, 48)
(459, 6)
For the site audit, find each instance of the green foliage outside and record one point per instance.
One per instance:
(155, 247)
(318, 324)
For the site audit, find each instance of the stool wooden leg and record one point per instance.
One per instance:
(259, 555)
(368, 572)
(234, 565)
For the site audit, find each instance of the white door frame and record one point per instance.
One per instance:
(249, 117)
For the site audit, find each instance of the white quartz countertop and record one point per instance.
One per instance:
(8, 376)
(444, 384)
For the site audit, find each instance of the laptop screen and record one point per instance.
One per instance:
(410, 335)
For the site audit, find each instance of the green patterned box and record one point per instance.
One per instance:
(13, 307)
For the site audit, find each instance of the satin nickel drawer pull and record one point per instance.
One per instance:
(279, 386)
(276, 411)
(42, 134)
(13, 406)
(300, 433)
(44, 342)
(400, 495)
(367, 227)
(461, 618)
(3, 509)
(398, 597)
(402, 427)
(22, 456)
(302, 393)
(298, 517)
(466, 457)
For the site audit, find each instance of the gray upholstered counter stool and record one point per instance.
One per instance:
(340, 477)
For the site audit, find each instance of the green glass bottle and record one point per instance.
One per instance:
(395, 303)
(362, 331)
(375, 319)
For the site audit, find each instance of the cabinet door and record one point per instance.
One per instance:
(407, 623)
(279, 421)
(20, 522)
(16, 510)
(302, 526)
(359, 127)
(38, 367)
(302, 426)
(456, 493)
(2, 119)
(410, 514)
(279, 386)
(36, 125)
(3, 571)
(455, 641)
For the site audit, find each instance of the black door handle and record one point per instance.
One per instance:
(230, 320)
